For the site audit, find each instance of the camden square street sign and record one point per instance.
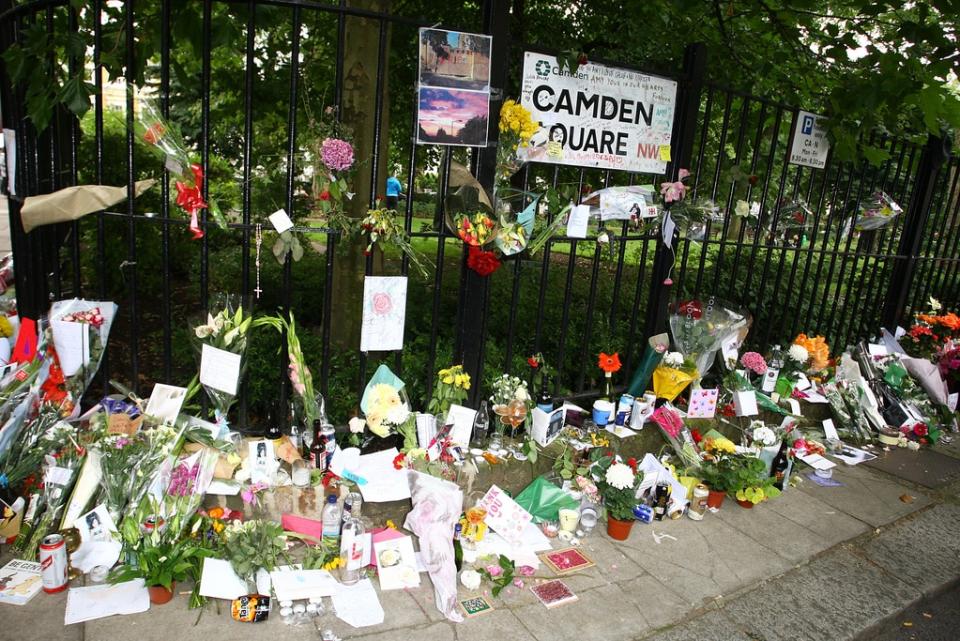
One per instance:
(602, 116)
(810, 145)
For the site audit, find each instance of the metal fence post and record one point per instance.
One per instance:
(684, 130)
(475, 289)
(935, 153)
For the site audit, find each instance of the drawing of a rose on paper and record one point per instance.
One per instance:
(384, 313)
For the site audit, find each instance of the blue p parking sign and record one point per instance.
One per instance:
(807, 127)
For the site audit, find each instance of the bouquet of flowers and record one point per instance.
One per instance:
(877, 211)
(677, 434)
(672, 375)
(44, 434)
(59, 473)
(517, 128)
(189, 480)
(300, 376)
(385, 405)
(164, 139)
(226, 330)
(699, 328)
(333, 146)
(452, 386)
(129, 465)
(381, 226)
(506, 389)
(252, 545)
(80, 331)
(817, 353)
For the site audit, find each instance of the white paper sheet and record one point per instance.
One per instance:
(817, 462)
(219, 581)
(73, 344)
(358, 604)
(830, 430)
(294, 584)
(99, 601)
(281, 221)
(384, 482)
(462, 419)
(223, 488)
(165, 401)
(384, 313)
(426, 429)
(90, 554)
(10, 151)
(219, 369)
(578, 221)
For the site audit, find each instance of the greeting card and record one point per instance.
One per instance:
(703, 403)
(504, 515)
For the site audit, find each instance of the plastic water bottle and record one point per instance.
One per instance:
(330, 519)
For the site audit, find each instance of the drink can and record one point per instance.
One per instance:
(643, 513)
(623, 409)
(698, 504)
(53, 563)
(328, 433)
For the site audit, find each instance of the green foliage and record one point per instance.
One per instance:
(507, 570)
(253, 545)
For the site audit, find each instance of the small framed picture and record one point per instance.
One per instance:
(96, 525)
(263, 461)
(475, 606)
(567, 560)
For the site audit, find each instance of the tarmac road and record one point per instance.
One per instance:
(937, 619)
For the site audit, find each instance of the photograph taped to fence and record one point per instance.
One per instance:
(454, 59)
(603, 117)
(452, 117)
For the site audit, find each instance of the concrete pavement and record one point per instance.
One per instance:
(816, 564)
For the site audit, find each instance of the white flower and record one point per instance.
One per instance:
(799, 354)
(202, 331)
(913, 446)
(357, 425)
(620, 476)
(521, 394)
(764, 436)
(935, 305)
(470, 579)
(742, 209)
(398, 414)
(673, 359)
(603, 238)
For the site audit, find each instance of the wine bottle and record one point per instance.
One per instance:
(318, 455)
(778, 469)
(457, 547)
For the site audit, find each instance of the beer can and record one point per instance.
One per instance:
(623, 409)
(643, 513)
(698, 504)
(53, 563)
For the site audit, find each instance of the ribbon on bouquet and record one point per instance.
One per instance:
(220, 420)
(190, 198)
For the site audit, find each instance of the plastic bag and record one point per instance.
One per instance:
(652, 355)
(80, 331)
(544, 500)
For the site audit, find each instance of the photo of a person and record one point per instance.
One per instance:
(95, 527)
(557, 141)
(261, 455)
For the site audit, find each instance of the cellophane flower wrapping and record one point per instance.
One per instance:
(437, 505)
(80, 331)
(679, 437)
(30, 442)
(60, 471)
(700, 326)
(226, 327)
(189, 479)
(877, 211)
(385, 403)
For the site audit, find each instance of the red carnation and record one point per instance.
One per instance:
(325, 194)
(697, 437)
(482, 262)
(920, 429)
(692, 308)
(533, 362)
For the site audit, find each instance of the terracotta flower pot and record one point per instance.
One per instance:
(617, 529)
(715, 499)
(159, 594)
(746, 504)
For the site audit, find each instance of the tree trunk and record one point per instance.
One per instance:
(361, 57)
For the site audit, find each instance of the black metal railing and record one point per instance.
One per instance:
(256, 65)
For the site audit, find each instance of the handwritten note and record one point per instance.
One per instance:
(578, 220)
(220, 369)
(281, 221)
(384, 313)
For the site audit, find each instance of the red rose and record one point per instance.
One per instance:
(697, 437)
(692, 308)
(582, 59)
(325, 195)
(632, 462)
(533, 362)
(382, 303)
(399, 461)
(482, 262)
(920, 429)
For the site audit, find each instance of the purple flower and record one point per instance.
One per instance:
(336, 154)
(122, 443)
(672, 192)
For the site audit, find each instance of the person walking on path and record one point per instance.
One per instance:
(394, 191)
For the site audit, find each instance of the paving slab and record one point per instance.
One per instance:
(924, 467)
(659, 605)
(824, 520)
(39, 620)
(786, 530)
(866, 495)
(923, 551)
(713, 626)
(432, 632)
(602, 614)
(702, 560)
(491, 626)
(833, 598)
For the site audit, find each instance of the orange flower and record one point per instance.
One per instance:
(950, 321)
(928, 319)
(215, 513)
(818, 349)
(609, 363)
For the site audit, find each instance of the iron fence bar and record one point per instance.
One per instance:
(947, 275)
(939, 230)
(438, 273)
(245, 195)
(205, 81)
(724, 129)
(585, 360)
(515, 286)
(77, 285)
(836, 218)
(634, 316)
(855, 175)
(165, 194)
(792, 278)
(97, 11)
(701, 154)
(132, 223)
(934, 154)
(52, 135)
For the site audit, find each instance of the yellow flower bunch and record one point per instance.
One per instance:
(517, 120)
(720, 445)
(333, 564)
(6, 329)
(455, 376)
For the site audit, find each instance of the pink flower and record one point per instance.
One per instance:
(382, 303)
(525, 570)
(754, 362)
(684, 173)
(518, 583)
(336, 154)
(672, 192)
(494, 570)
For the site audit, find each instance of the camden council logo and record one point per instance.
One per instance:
(543, 68)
